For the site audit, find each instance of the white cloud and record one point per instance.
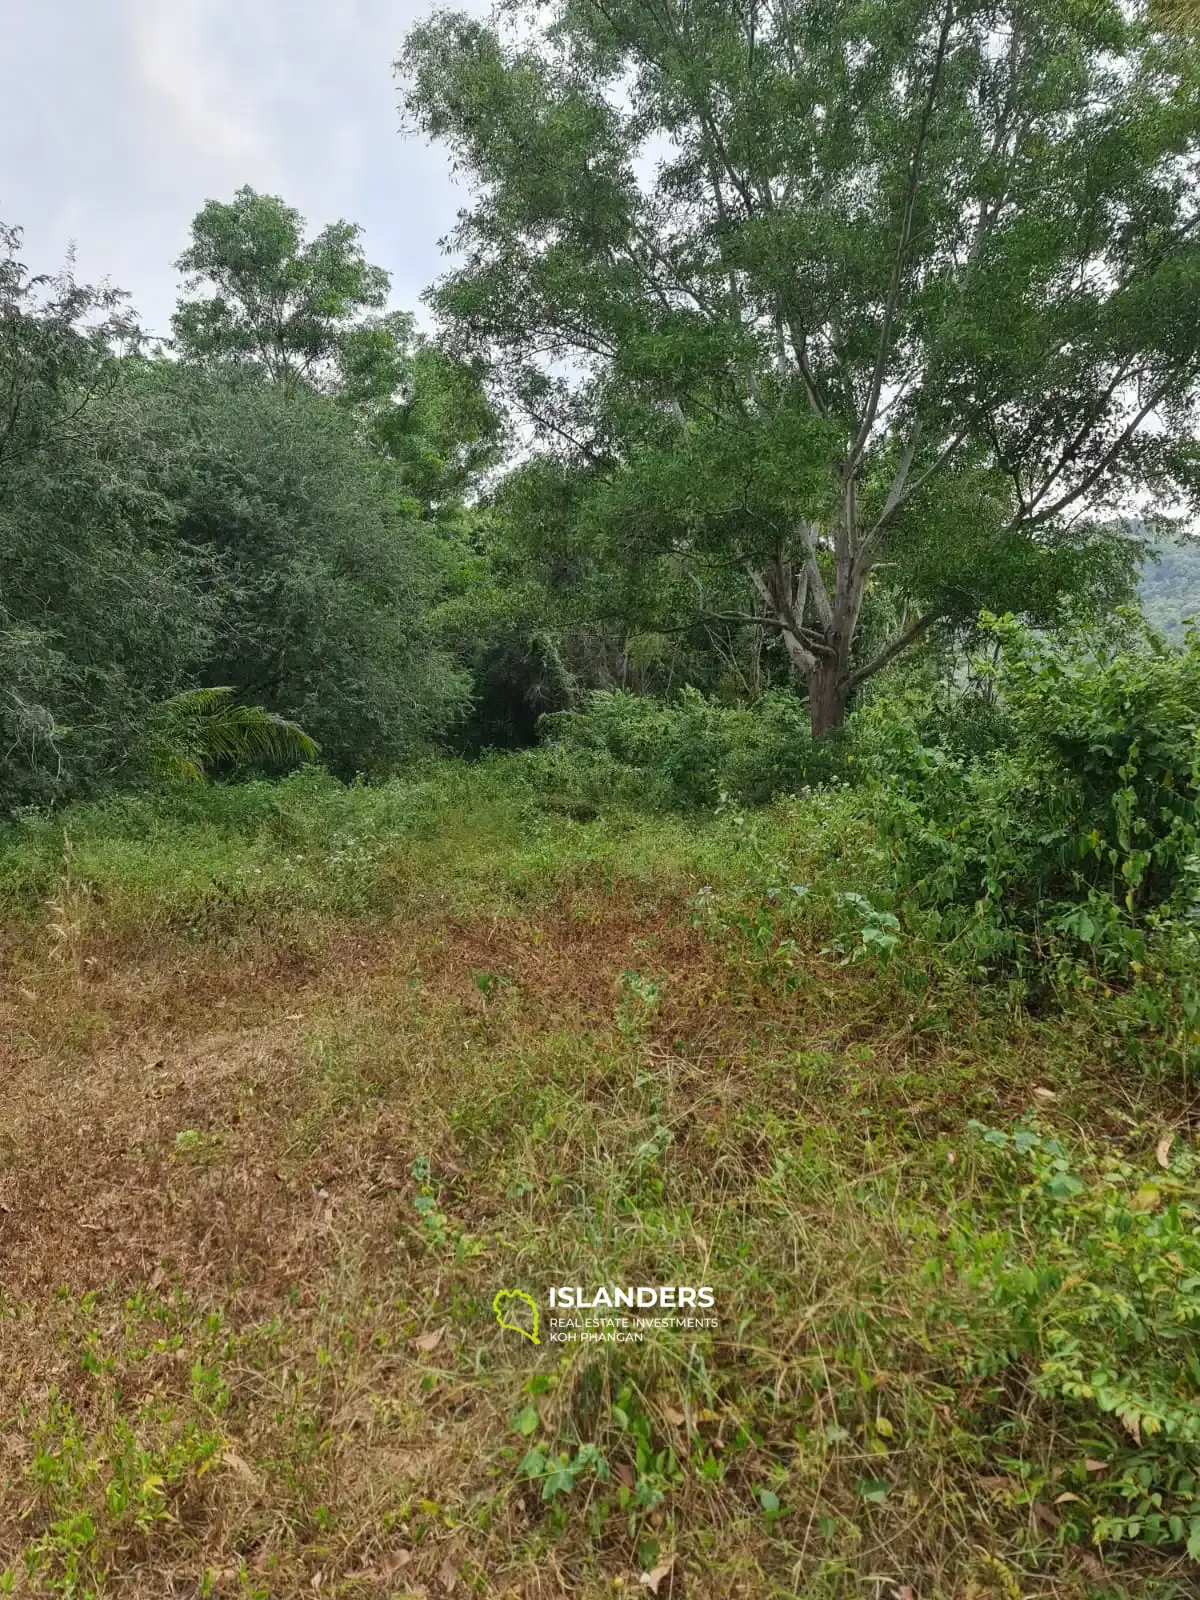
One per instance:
(198, 104)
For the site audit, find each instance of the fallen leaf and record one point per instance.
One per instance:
(1095, 1466)
(1045, 1094)
(27, 994)
(1146, 1198)
(1133, 1427)
(675, 1418)
(429, 1341)
(448, 1573)
(655, 1576)
(393, 1561)
(996, 1485)
(1062, 1499)
(1162, 1151)
(626, 1475)
(156, 1277)
(1093, 1566)
(242, 1467)
(1044, 1514)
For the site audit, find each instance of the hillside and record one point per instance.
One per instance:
(1170, 587)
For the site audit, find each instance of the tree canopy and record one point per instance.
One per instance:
(835, 298)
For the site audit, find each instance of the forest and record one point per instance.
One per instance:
(674, 761)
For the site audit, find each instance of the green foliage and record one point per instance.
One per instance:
(1084, 820)
(688, 753)
(1170, 586)
(839, 337)
(202, 729)
(103, 612)
(271, 299)
(326, 571)
(1092, 1292)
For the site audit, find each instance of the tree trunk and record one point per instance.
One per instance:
(827, 696)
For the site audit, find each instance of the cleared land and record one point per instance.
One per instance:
(294, 1083)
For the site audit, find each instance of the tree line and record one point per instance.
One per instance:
(780, 340)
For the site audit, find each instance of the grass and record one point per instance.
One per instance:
(298, 1078)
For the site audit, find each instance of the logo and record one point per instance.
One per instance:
(506, 1304)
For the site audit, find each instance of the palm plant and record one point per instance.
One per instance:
(191, 733)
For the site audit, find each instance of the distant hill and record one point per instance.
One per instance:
(1170, 586)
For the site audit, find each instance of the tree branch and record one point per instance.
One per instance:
(890, 651)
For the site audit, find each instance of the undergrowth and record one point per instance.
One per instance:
(299, 1076)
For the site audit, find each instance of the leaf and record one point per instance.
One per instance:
(1091, 1465)
(655, 1576)
(884, 1428)
(675, 1418)
(1067, 1496)
(1193, 1544)
(527, 1421)
(1064, 1185)
(1045, 1094)
(560, 1480)
(429, 1341)
(1162, 1151)
(1146, 1198)
(876, 1490)
(769, 1502)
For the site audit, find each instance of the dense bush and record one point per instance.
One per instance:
(687, 753)
(1085, 818)
(1091, 1302)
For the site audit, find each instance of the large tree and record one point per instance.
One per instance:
(103, 611)
(898, 292)
(307, 314)
(269, 297)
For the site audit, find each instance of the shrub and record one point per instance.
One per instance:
(1081, 820)
(685, 754)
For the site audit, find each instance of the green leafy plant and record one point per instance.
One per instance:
(202, 729)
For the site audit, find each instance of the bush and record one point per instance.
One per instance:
(1080, 818)
(684, 755)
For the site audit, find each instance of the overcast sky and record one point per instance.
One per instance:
(122, 117)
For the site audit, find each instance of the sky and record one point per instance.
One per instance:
(122, 117)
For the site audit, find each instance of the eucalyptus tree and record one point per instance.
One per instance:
(902, 292)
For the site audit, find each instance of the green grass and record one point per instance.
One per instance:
(301, 1076)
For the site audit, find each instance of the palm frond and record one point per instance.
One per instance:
(193, 732)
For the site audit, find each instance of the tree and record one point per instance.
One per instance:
(323, 570)
(910, 297)
(102, 611)
(310, 315)
(271, 299)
